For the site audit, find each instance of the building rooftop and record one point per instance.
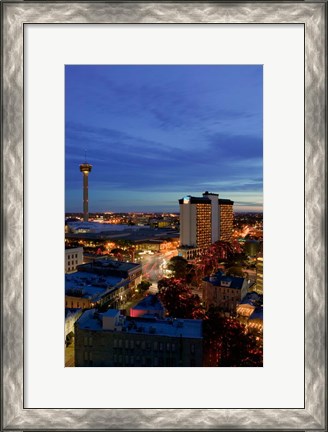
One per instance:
(120, 265)
(204, 199)
(195, 200)
(257, 314)
(99, 227)
(187, 328)
(131, 233)
(83, 279)
(111, 313)
(252, 298)
(68, 248)
(225, 201)
(91, 285)
(220, 279)
(150, 302)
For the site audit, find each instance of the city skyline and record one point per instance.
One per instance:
(156, 133)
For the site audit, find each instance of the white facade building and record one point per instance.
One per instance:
(73, 258)
(199, 223)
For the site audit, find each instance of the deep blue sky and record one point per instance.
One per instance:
(156, 133)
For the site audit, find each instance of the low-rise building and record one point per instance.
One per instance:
(255, 322)
(150, 305)
(224, 292)
(86, 290)
(111, 339)
(189, 252)
(121, 269)
(71, 316)
(248, 304)
(73, 258)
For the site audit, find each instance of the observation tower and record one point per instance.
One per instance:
(85, 168)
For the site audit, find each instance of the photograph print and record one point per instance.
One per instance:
(163, 216)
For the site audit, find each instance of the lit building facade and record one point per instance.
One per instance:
(195, 222)
(203, 221)
(226, 219)
(111, 339)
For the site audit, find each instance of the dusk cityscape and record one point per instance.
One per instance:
(164, 216)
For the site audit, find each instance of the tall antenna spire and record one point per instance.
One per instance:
(85, 155)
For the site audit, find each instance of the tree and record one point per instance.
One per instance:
(143, 286)
(118, 253)
(235, 271)
(227, 342)
(178, 266)
(178, 299)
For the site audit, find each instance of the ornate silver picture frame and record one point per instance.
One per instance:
(313, 15)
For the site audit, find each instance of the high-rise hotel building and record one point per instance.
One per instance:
(226, 219)
(203, 221)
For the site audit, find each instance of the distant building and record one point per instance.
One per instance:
(111, 339)
(203, 221)
(73, 258)
(152, 245)
(252, 247)
(150, 305)
(225, 292)
(101, 233)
